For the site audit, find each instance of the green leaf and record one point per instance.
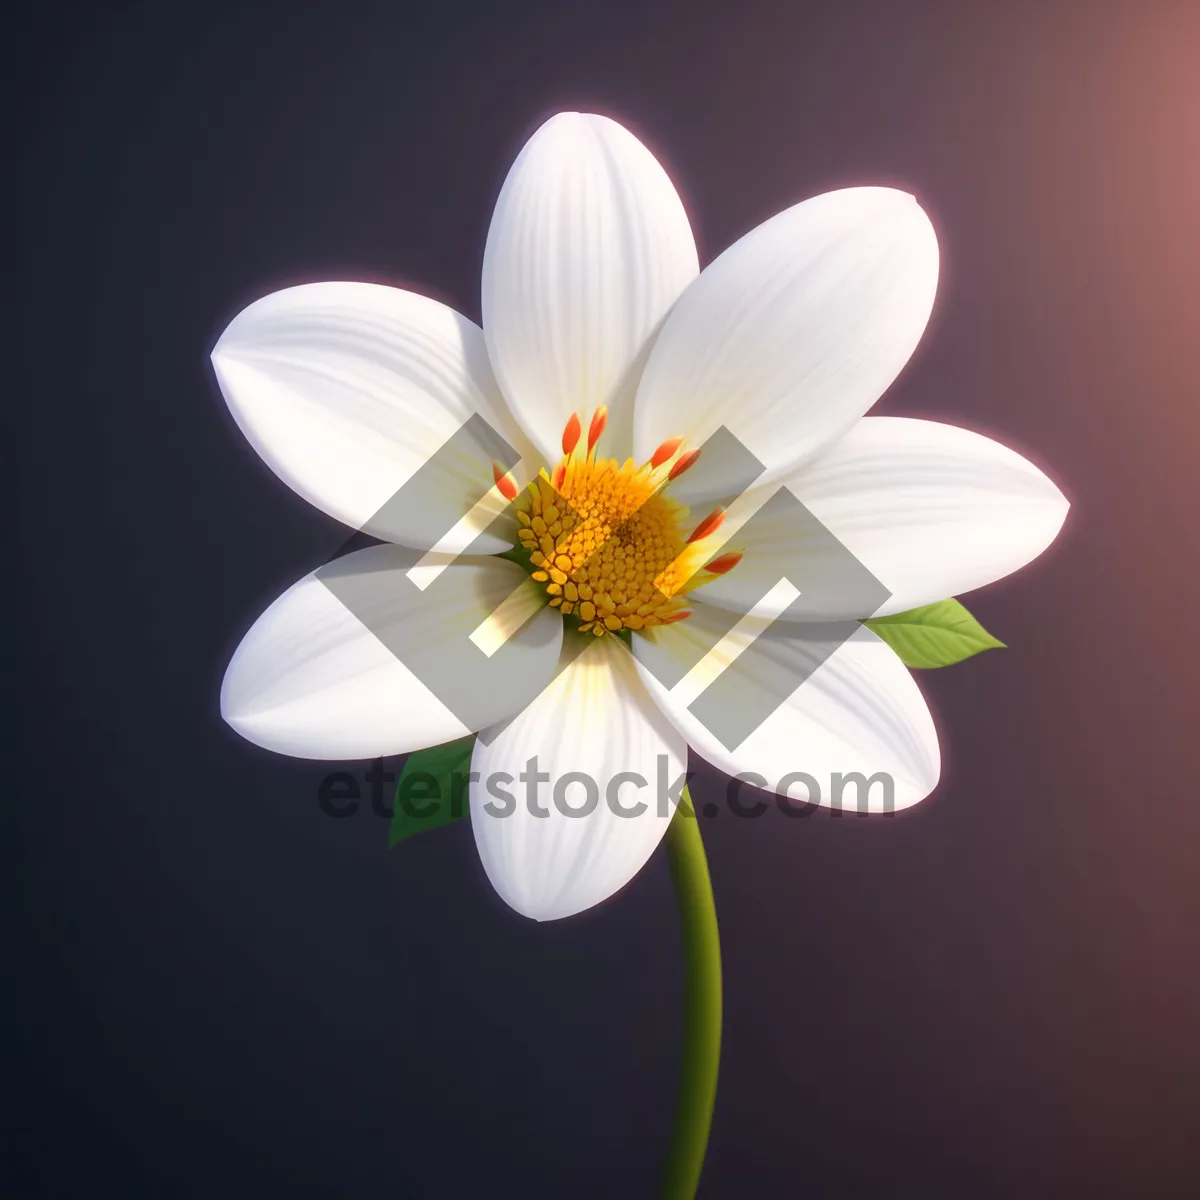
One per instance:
(431, 790)
(934, 635)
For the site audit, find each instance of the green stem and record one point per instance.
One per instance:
(701, 1008)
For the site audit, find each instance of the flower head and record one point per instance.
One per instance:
(608, 360)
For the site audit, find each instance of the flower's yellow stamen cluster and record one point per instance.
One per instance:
(611, 548)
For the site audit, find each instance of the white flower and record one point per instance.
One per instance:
(593, 305)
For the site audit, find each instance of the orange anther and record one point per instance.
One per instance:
(599, 420)
(556, 479)
(682, 465)
(671, 618)
(505, 482)
(711, 522)
(725, 563)
(571, 434)
(665, 451)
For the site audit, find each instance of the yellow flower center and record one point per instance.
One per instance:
(611, 548)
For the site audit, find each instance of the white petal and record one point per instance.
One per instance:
(314, 679)
(859, 711)
(346, 389)
(796, 330)
(595, 719)
(588, 248)
(932, 511)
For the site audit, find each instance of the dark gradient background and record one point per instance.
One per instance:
(216, 990)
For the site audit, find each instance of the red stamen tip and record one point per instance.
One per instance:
(570, 436)
(671, 618)
(557, 477)
(665, 451)
(682, 465)
(725, 563)
(711, 522)
(505, 482)
(599, 420)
